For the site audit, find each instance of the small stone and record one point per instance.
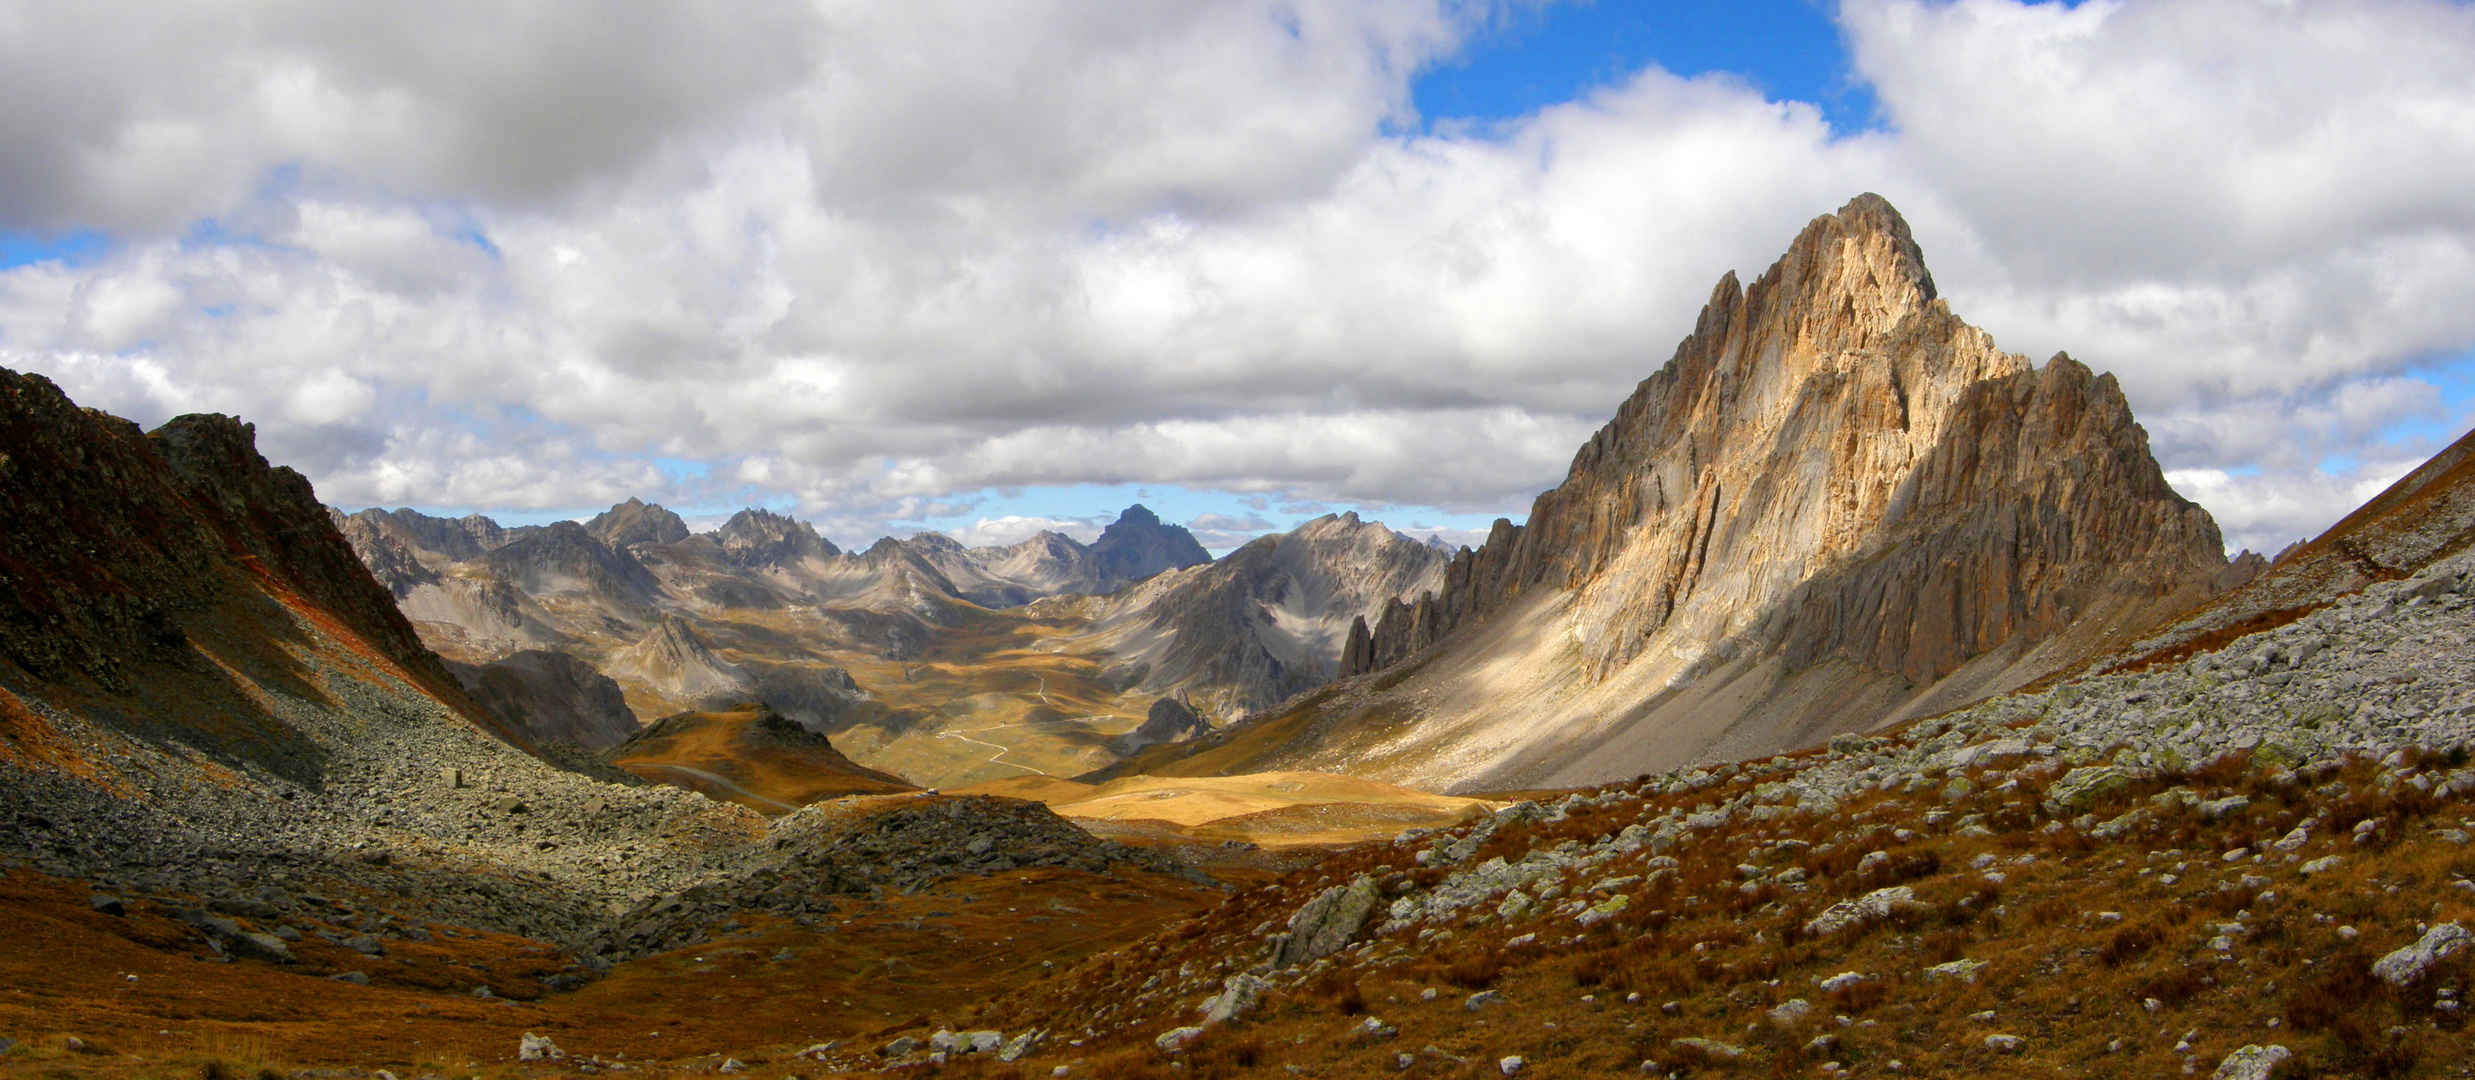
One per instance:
(109, 905)
(1374, 1028)
(2321, 865)
(538, 1048)
(732, 1065)
(1175, 1039)
(356, 978)
(1845, 980)
(902, 1047)
(1510, 1065)
(2005, 1044)
(1482, 999)
(1789, 1013)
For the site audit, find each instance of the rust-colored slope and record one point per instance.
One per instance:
(749, 755)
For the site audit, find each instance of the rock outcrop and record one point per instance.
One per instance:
(1838, 504)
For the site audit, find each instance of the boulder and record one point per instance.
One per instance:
(1327, 922)
(1238, 996)
(2084, 787)
(538, 1048)
(2408, 964)
(1175, 1039)
(2252, 1063)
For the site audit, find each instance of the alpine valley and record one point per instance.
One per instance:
(1863, 701)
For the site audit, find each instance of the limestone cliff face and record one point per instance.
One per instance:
(1835, 505)
(1835, 466)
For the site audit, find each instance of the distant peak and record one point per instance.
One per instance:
(1138, 514)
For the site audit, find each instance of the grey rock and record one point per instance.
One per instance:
(2252, 1063)
(1239, 995)
(2408, 964)
(538, 1048)
(1327, 922)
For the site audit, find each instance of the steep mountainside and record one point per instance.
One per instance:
(180, 591)
(1837, 505)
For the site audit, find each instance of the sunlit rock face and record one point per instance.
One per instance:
(1834, 480)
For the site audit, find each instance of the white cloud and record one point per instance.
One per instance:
(875, 258)
(1016, 528)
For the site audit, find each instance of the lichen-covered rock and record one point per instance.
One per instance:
(2252, 1063)
(1327, 922)
(2406, 965)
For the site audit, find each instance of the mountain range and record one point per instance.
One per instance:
(584, 631)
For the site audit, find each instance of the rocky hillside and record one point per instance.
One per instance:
(1836, 506)
(550, 697)
(182, 593)
(2428, 514)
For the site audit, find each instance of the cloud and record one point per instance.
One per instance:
(1016, 528)
(872, 259)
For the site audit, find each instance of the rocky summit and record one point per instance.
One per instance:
(1836, 506)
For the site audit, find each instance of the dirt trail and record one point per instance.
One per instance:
(997, 758)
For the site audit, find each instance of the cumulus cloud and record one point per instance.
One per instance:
(875, 259)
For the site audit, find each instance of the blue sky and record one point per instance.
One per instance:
(1532, 57)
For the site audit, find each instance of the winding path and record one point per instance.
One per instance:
(997, 758)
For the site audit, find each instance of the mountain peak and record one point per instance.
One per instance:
(759, 537)
(1138, 545)
(637, 522)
